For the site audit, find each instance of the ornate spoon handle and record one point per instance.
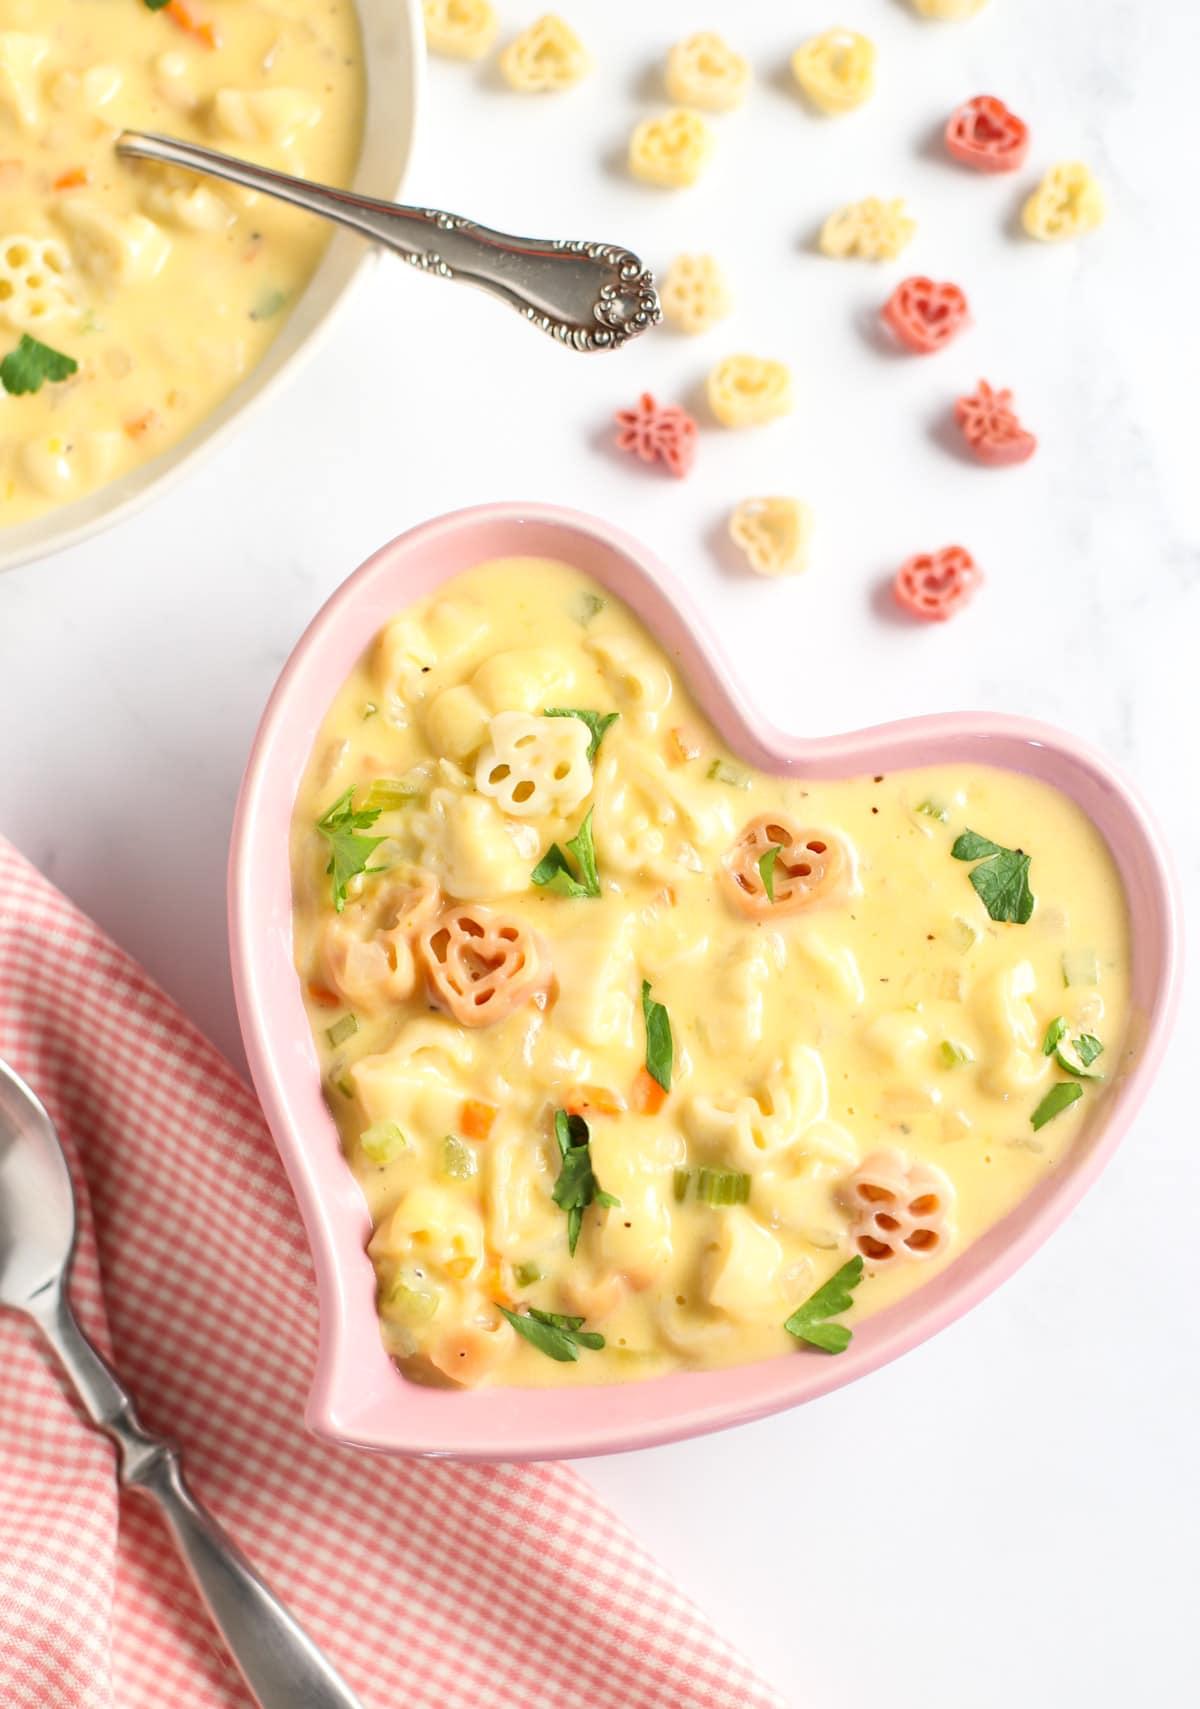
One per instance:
(592, 296)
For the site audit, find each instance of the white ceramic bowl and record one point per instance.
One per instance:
(394, 54)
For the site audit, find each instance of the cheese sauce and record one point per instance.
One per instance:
(165, 288)
(858, 1046)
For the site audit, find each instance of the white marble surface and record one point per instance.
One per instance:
(1008, 1515)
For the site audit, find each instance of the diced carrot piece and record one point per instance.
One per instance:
(201, 29)
(141, 424)
(597, 1100)
(324, 996)
(683, 744)
(72, 179)
(476, 1118)
(648, 1096)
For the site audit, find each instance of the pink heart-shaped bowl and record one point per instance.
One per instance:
(358, 1396)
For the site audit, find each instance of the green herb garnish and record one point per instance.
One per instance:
(343, 1028)
(268, 305)
(597, 723)
(577, 1186)
(1076, 1055)
(556, 1336)
(348, 852)
(766, 869)
(1060, 1097)
(155, 5)
(587, 606)
(660, 1046)
(933, 810)
(1001, 880)
(1056, 1030)
(808, 1321)
(525, 1275)
(26, 368)
(953, 1055)
(1088, 1047)
(553, 871)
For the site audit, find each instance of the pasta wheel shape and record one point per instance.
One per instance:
(704, 71)
(33, 281)
(366, 950)
(836, 70)
(949, 10)
(21, 60)
(899, 1209)
(773, 533)
(671, 150)
(810, 868)
(1067, 203)
(460, 29)
(694, 295)
(872, 230)
(481, 965)
(545, 58)
(535, 766)
(792, 1099)
(745, 391)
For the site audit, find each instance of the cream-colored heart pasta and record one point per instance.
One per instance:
(164, 288)
(856, 1041)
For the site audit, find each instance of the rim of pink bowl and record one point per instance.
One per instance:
(358, 1396)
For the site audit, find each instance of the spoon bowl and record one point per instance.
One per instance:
(37, 1204)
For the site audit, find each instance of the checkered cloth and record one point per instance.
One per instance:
(431, 1585)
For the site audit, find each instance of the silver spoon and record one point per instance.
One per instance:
(592, 296)
(279, 1661)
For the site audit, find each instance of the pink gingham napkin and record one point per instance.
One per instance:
(431, 1585)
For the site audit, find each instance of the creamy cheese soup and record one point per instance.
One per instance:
(164, 288)
(633, 1049)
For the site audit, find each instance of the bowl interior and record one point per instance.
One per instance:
(394, 54)
(358, 1395)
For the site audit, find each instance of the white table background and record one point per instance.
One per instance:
(1009, 1514)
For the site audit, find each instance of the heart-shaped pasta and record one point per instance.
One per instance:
(810, 867)
(545, 58)
(535, 766)
(773, 533)
(460, 29)
(836, 70)
(366, 950)
(694, 295)
(872, 230)
(1067, 203)
(704, 71)
(901, 1209)
(481, 965)
(671, 150)
(744, 391)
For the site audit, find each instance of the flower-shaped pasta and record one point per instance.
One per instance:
(933, 585)
(836, 70)
(658, 433)
(704, 71)
(773, 533)
(460, 29)
(546, 57)
(481, 965)
(900, 1209)
(33, 281)
(925, 315)
(534, 766)
(983, 133)
(809, 868)
(1067, 203)
(991, 428)
(744, 391)
(366, 951)
(671, 150)
(873, 230)
(694, 295)
(950, 10)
